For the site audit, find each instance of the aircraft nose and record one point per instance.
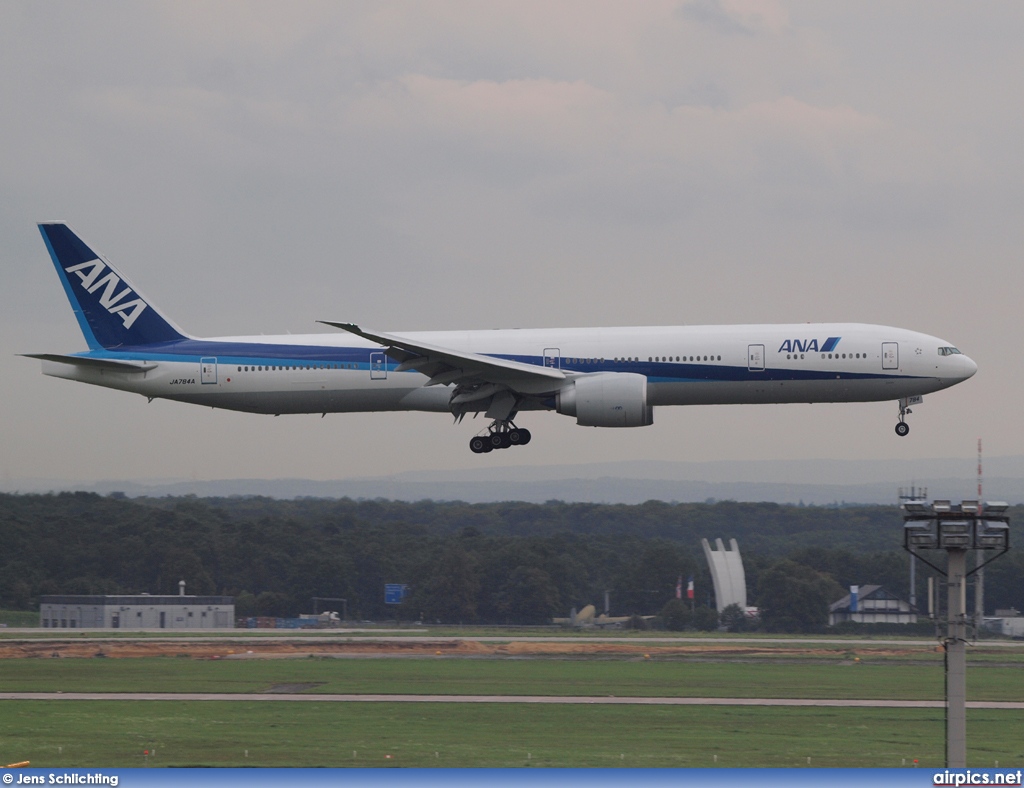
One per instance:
(968, 366)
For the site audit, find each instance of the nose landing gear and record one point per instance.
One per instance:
(902, 428)
(500, 435)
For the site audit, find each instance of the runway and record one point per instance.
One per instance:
(549, 699)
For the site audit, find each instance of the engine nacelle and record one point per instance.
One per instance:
(608, 399)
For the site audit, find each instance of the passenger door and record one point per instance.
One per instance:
(207, 370)
(755, 358)
(890, 355)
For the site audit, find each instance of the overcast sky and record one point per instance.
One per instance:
(254, 167)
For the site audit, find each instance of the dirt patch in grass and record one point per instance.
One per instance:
(287, 649)
(725, 652)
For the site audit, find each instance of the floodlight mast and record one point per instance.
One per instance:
(956, 659)
(956, 528)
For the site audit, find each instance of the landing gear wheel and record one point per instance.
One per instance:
(902, 428)
(500, 434)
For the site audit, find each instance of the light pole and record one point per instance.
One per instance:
(956, 528)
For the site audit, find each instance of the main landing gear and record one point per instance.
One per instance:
(500, 435)
(902, 428)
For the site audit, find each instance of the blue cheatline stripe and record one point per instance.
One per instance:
(263, 354)
(359, 360)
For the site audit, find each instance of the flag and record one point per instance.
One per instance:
(679, 587)
(689, 588)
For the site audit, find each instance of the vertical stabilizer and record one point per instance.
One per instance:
(110, 310)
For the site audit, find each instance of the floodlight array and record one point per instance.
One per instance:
(992, 536)
(955, 534)
(944, 525)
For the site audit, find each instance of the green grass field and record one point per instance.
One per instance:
(115, 734)
(506, 677)
(254, 733)
(19, 618)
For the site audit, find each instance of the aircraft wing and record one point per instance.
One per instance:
(445, 365)
(110, 364)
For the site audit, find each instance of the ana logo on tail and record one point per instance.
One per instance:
(90, 274)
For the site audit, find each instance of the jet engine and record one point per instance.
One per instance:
(607, 399)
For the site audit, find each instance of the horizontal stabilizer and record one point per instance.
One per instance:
(115, 365)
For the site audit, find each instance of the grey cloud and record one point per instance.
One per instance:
(712, 14)
(254, 167)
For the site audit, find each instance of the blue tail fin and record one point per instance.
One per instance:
(110, 311)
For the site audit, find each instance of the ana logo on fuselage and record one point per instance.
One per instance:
(110, 300)
(809, 345)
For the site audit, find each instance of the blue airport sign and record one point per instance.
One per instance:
(394, 593)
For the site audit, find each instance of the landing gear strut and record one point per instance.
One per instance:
(902, 428)
(500, 435)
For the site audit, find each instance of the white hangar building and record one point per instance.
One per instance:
(871, 605)
(142, 611)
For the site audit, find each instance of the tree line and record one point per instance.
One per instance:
(471, 563)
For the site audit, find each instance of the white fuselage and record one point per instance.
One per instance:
(683, 365)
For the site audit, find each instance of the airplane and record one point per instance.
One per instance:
(602, 377)
(589, 617)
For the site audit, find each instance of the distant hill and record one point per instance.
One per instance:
(818, 482)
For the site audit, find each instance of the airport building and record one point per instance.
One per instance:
(1008, 622)
(871, 605)
(142, 611)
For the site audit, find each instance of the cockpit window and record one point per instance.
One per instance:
(948, 351)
